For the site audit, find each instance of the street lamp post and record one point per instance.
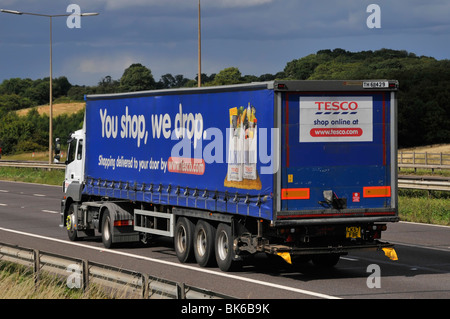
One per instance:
(50, 16)
(199, 47)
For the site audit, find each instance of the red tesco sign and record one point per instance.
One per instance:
(336, 105)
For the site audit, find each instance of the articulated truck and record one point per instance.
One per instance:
(302, 169)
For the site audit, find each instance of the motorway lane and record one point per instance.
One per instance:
(30, 207)
(422, 270)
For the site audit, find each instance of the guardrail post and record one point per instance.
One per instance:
(145, 288)
(85, 283)
(181, 293)
(36, 266)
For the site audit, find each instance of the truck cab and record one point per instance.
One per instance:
(75, 159)
(74, 174)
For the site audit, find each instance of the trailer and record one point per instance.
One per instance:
(289, 168)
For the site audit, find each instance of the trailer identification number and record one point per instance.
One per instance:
(375, 84)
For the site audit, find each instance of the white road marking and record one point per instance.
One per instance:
(1, 204)
(39, 195)
(351, 259)
(212, 272)
(4, 191)
(49, 211)
(423, 224)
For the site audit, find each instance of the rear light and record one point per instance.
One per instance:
(375, 230)
(119, 223)
(281, 86)
(393, 85)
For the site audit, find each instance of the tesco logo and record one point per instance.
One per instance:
(337, 106)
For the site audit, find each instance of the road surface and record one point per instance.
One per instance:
(29, 217)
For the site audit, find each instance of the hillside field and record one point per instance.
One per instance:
(58, 109)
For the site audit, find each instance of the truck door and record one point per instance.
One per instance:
(75, 161)
(336, 155)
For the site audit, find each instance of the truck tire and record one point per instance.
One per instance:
(107, 229)
(71, 224)
(224, 248)
(204, 238)
(184, 237)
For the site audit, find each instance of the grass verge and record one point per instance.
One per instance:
(32, 175)
(420, 207)
(17, 282)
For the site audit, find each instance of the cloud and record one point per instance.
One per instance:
(236, 3)
(108, 65)
(162, 34)
(173, 4)
(90, 69)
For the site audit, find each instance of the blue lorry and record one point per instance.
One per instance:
(291, 168)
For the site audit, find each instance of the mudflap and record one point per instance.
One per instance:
(286, 252)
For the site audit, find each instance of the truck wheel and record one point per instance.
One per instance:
(204, 236)
(224, 248)
(106, 229)
(184, 233)
(71, 221)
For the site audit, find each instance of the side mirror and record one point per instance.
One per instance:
(57, 150)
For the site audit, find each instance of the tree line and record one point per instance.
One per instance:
(423, 98)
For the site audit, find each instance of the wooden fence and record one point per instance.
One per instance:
(423, 160)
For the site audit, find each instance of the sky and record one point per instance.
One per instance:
(256, 36)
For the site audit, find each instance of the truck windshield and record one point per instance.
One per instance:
(71, 151)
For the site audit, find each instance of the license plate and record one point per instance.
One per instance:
(353, 232)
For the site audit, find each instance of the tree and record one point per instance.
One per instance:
(169, 81)
(266, 77)
(15, 86)
(61, 86)
(227, 76)
(137, 78)
(301, 69)
(12, 102)
(39, 91)
(107, 85)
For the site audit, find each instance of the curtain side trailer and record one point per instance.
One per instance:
(303, 169)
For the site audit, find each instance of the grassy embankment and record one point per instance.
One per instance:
(17, 282)
(421, 206)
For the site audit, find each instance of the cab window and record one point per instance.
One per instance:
(71, 151)
(80, 150)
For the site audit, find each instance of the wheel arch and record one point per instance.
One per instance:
(116, 212)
